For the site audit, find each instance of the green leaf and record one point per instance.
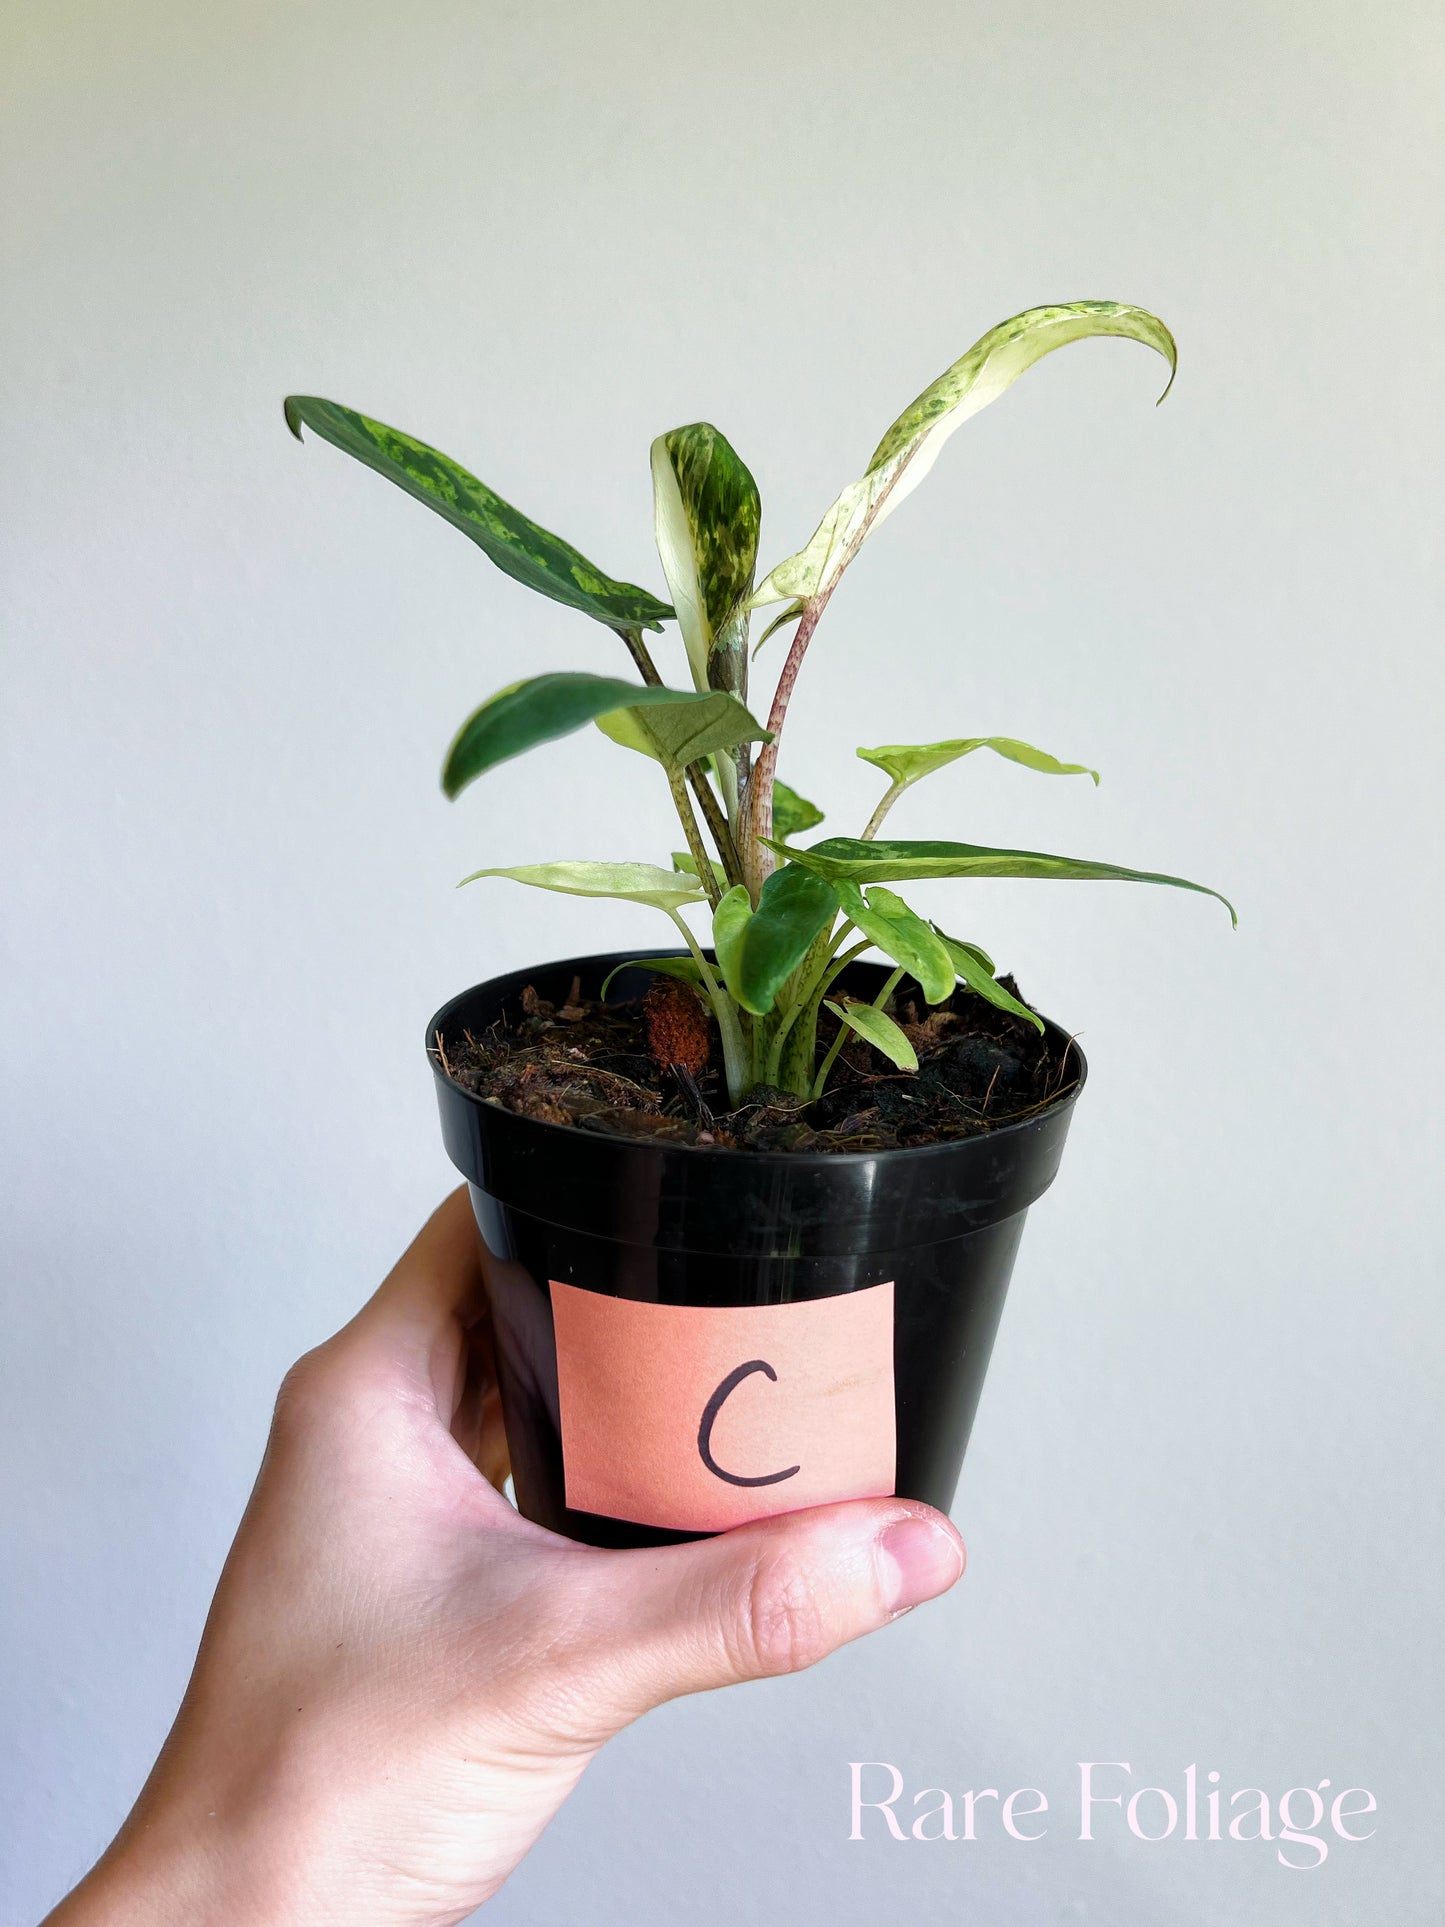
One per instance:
(685, 861)
(683, 967)
(730, 921)
(725, 717)
(887, 921)
(624, 726)
(793, 813)
(631, 882)
(976, 951)
(631, 732)
(518, 546)
(879, 1030)
(712, 720)
(976, 970)
(545, 707)
(706, 516)
(793, 907)
(850, 859)
(905, 763)
(909, 449)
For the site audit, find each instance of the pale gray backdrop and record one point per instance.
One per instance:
(1203, 1497)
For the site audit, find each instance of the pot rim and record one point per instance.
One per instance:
(783, 1160)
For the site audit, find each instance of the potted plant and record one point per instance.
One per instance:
(753, 1202)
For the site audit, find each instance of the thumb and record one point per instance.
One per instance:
(768, 1598)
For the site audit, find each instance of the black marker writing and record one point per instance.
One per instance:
(709, 1419)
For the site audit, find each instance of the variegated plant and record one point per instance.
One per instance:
(786, 918)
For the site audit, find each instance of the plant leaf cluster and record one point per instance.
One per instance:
(786, 918)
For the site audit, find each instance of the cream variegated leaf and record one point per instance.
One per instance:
(912, 444)
(906, 763)
(632, 882)
(674, 548)
(706, 516)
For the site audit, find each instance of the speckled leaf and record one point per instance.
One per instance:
(545, 707)
(706, 515)
(912, 444)
(852, 860)
(887, 921)
(976, 970)
(529, 554)
(878, 1029)
(792, 814)
(906, 763)
(792, 908)
(632, 882)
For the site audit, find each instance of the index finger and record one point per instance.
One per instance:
(432, 1296)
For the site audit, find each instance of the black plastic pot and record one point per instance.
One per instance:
(672, 1320)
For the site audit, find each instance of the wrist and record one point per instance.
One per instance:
(156, 1875)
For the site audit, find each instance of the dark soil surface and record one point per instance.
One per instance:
(603, 1067)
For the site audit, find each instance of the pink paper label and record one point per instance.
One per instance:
(701, 1417)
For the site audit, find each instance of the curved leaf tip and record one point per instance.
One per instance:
(910, 446)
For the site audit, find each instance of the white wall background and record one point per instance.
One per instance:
(1203, 1501)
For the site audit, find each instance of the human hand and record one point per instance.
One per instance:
(401, 1679)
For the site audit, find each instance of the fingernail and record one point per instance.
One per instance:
(920, 1558)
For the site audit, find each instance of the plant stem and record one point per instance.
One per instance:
(875, 821)
(757, 812)
(806, 992)
(756, 817)
(706, 875)
(641, 655)
(890, 984)
(804, 1040)
(717, 822)
(735, 1051)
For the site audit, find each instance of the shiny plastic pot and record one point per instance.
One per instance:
(689, 1336)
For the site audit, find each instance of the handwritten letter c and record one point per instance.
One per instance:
(709, 1419)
